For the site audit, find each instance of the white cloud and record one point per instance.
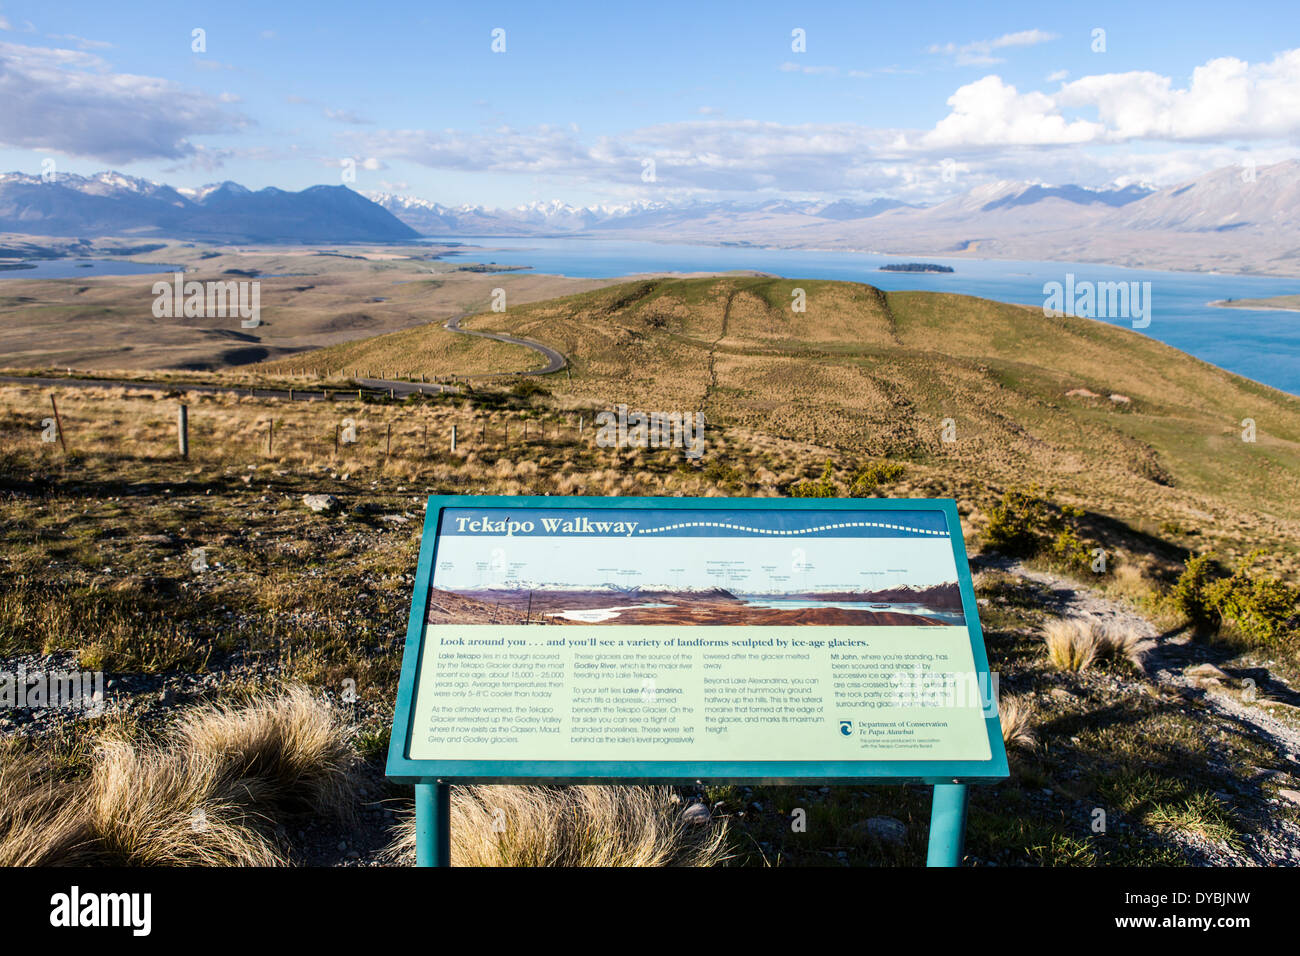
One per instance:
(1226, 99)
(698, 155)
(788, 67)
(70, 101)
(1075, 134)
(345, 116)
(980, 52)
(81, 43)
(791, 67)
(990, 112)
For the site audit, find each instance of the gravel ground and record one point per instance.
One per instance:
(1176, 664)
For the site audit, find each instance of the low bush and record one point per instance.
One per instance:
(1016, 524)
(1262, 609)
(823, 487)
(868, 479)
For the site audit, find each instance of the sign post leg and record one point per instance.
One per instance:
(432, 824)
(947, 825)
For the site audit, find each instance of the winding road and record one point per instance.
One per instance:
(555, 361)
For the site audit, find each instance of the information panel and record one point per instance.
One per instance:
(583, 638)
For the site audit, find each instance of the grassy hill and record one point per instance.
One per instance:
(1109, 418)
(209, 591)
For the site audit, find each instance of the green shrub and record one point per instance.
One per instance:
(823, 487)
(1069, 550)
(870, 478)
(1260, 608)
(720, 473)
(1191, 595)
(1015, 523)
(1264, 609)
(527, 388)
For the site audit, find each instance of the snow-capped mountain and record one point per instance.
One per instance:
(1176, 227)
(721, 220)
(433, 218)
(112, 203)
(1226, 199)
(558, 217)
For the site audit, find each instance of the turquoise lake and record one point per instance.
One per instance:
(1259, 344)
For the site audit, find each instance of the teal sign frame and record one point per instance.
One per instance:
(432, 778)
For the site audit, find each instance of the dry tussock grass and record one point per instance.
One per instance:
(42, 816)
(502, 826)
(1075, 644)
(1016, 712)
(209, 793)
(1130, 582)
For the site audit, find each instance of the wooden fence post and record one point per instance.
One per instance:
(183, 430)
(58, 423)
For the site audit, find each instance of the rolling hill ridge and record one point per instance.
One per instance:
(1070, 403)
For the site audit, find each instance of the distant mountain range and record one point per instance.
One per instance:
(1226, 220)
(112, 204)
(1217, 202)
(1180, 227)
(557, 218)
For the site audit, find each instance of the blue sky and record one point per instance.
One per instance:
(883, 101)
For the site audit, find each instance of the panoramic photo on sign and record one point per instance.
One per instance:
(697, 632)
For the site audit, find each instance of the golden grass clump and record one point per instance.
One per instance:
(41, 816)
(208, 793)
(150, 806)
(503, 826)
(1129, 581)
(1075, 644)
(1016, 712)
(295, 746)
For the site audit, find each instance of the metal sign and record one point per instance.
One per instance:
(636, 640)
